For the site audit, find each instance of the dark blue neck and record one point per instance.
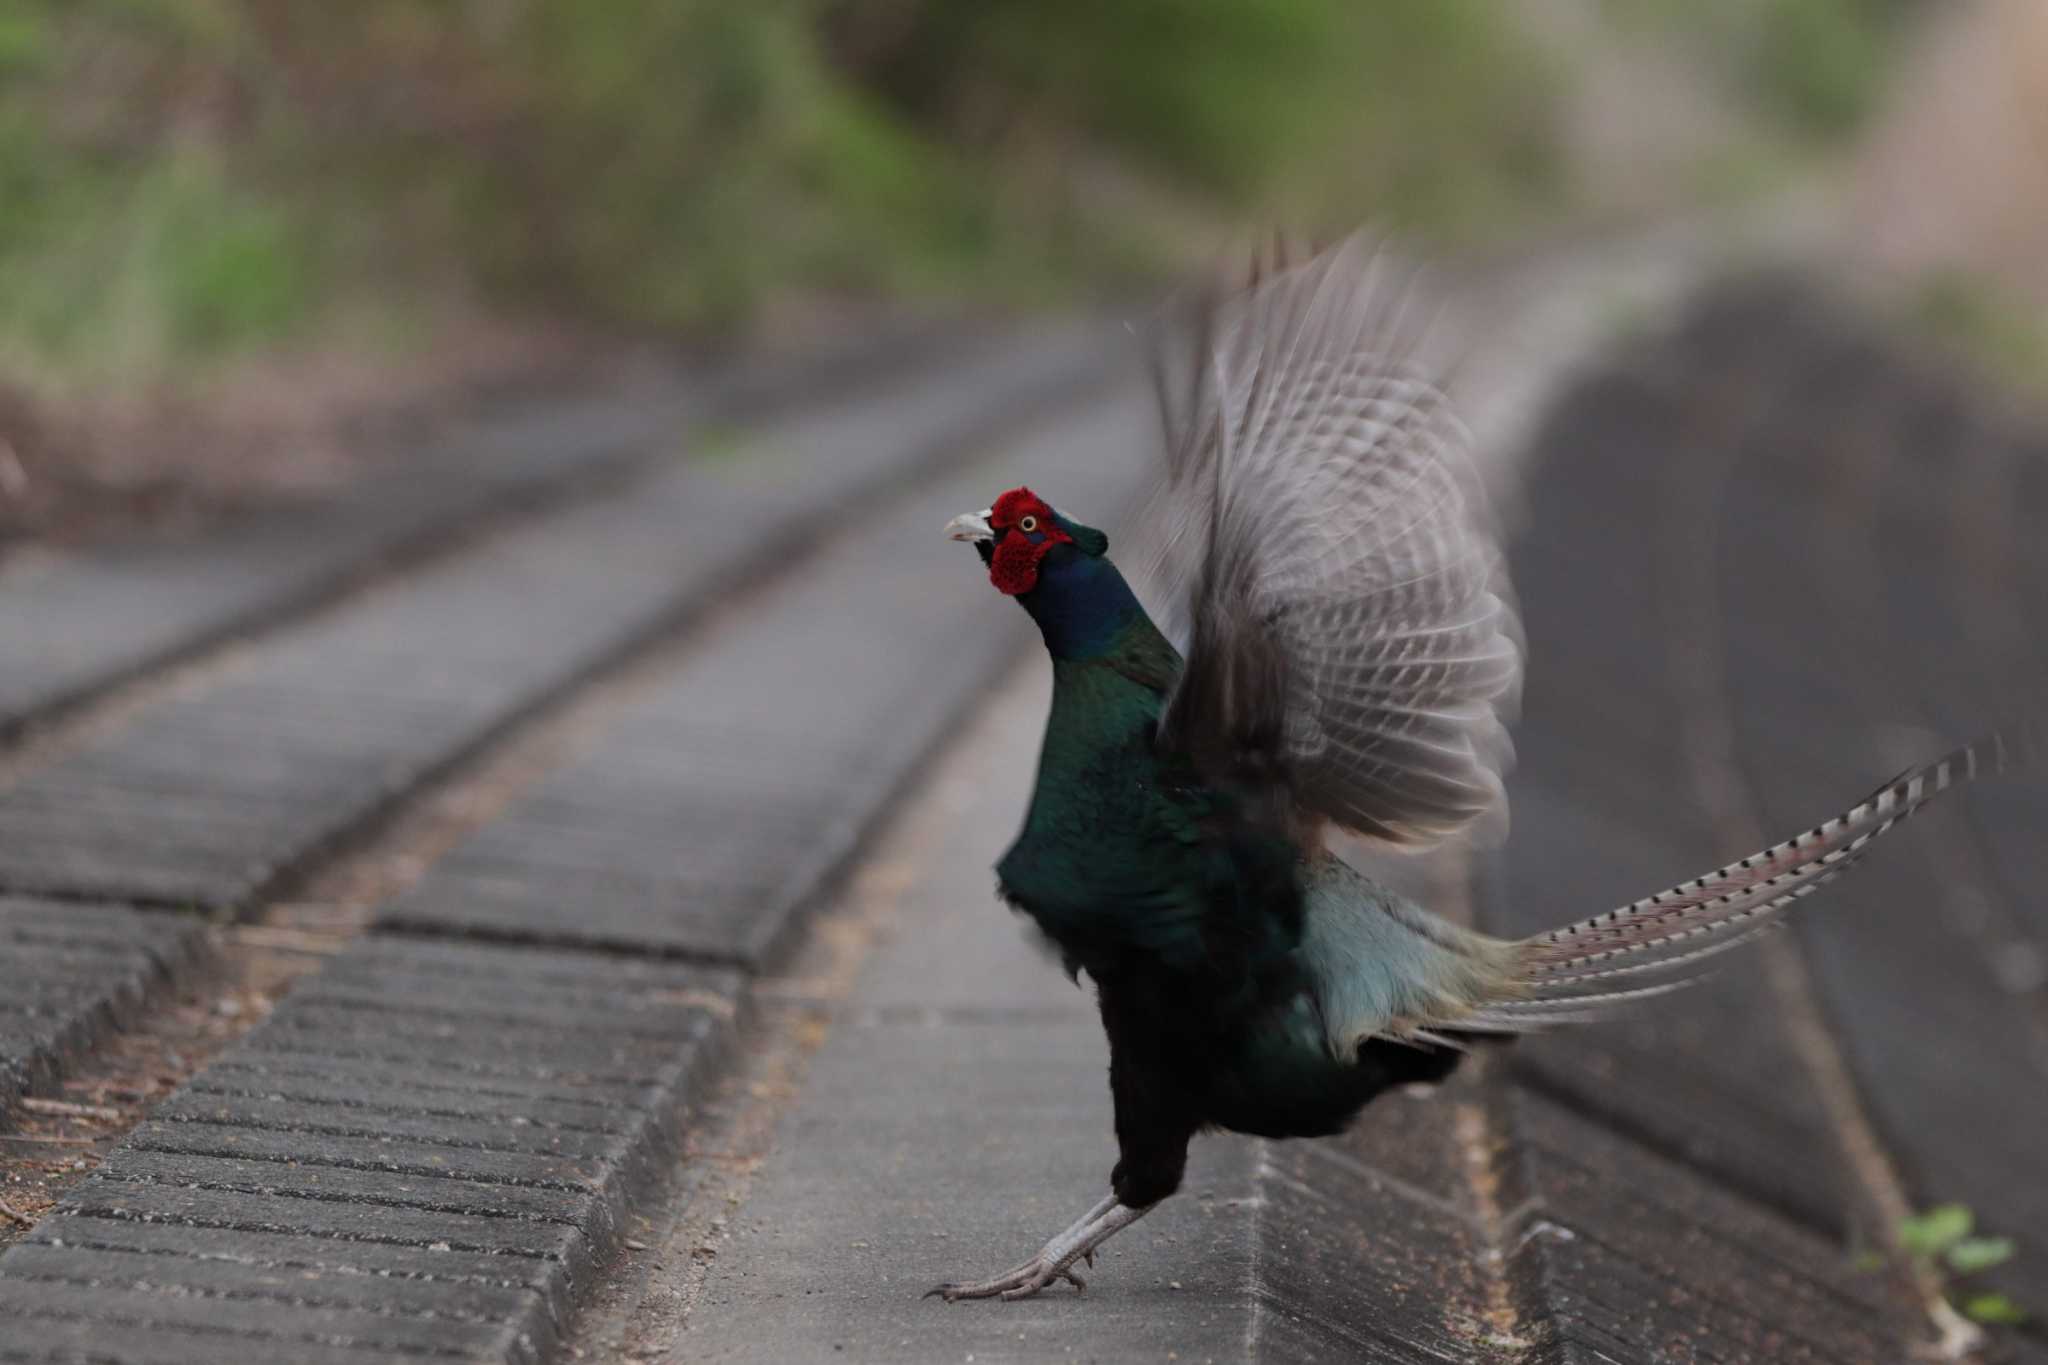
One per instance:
(1081, 603)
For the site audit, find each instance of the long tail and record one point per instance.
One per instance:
(1586, 970)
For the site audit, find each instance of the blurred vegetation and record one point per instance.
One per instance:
(1818, 67)
(187, 179)
(1984, 324)
(1943, 1241)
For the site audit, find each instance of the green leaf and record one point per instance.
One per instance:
(1973, 1254)
(1993, 1308)
(1938, 1229)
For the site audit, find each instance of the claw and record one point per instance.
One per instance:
(1026, 1290)
(1054, 1260)
(1021, 1283)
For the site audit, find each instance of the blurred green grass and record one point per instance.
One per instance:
(1817, 67)
(193, 179)
(1982, 324)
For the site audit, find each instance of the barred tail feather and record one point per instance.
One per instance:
(1571, 973)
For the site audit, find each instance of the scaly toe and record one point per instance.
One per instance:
(1021, 1283)
(1046, 1276)
(953, 1291)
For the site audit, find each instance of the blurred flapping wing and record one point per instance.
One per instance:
(1324, 558)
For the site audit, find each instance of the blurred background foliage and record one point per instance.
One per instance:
(1817, 67)
(190, 179)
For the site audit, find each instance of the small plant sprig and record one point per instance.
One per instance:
(1942, 1246)
(1943, 1241)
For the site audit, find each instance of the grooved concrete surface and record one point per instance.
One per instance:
(425, 1152)
(1670, 1188)
(713, 808)
(73, 624)
(208, 795)
(1763, 567)
(1605, 810)
(1831, 554)
(470, 1122)
(69, 973)
(958, 1116)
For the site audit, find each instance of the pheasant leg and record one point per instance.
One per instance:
(1054, 1261)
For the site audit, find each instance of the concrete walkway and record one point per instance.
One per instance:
(430, 1145)
(554, 994)
(958, 1115)
(1657, 1190)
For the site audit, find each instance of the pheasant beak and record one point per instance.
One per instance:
(971, 526)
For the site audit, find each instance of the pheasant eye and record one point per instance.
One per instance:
(1027, 523)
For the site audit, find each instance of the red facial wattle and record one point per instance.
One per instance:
(1014, 567)
(1025, 531)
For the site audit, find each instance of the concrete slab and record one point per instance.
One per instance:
(498, 1105)
(70, 974)
(73, 625)
(928, 1152)
(469, 1124)
(265, 1223)
(318, 728)
(1624, 1256)
(1869, 540)
(1605, 809)
(959, 1114)
(1650, 1191)
(963, 960)
(712, 809)
(83, 1340)
(1896, 535)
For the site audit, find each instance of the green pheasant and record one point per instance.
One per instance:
(1336, 647)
